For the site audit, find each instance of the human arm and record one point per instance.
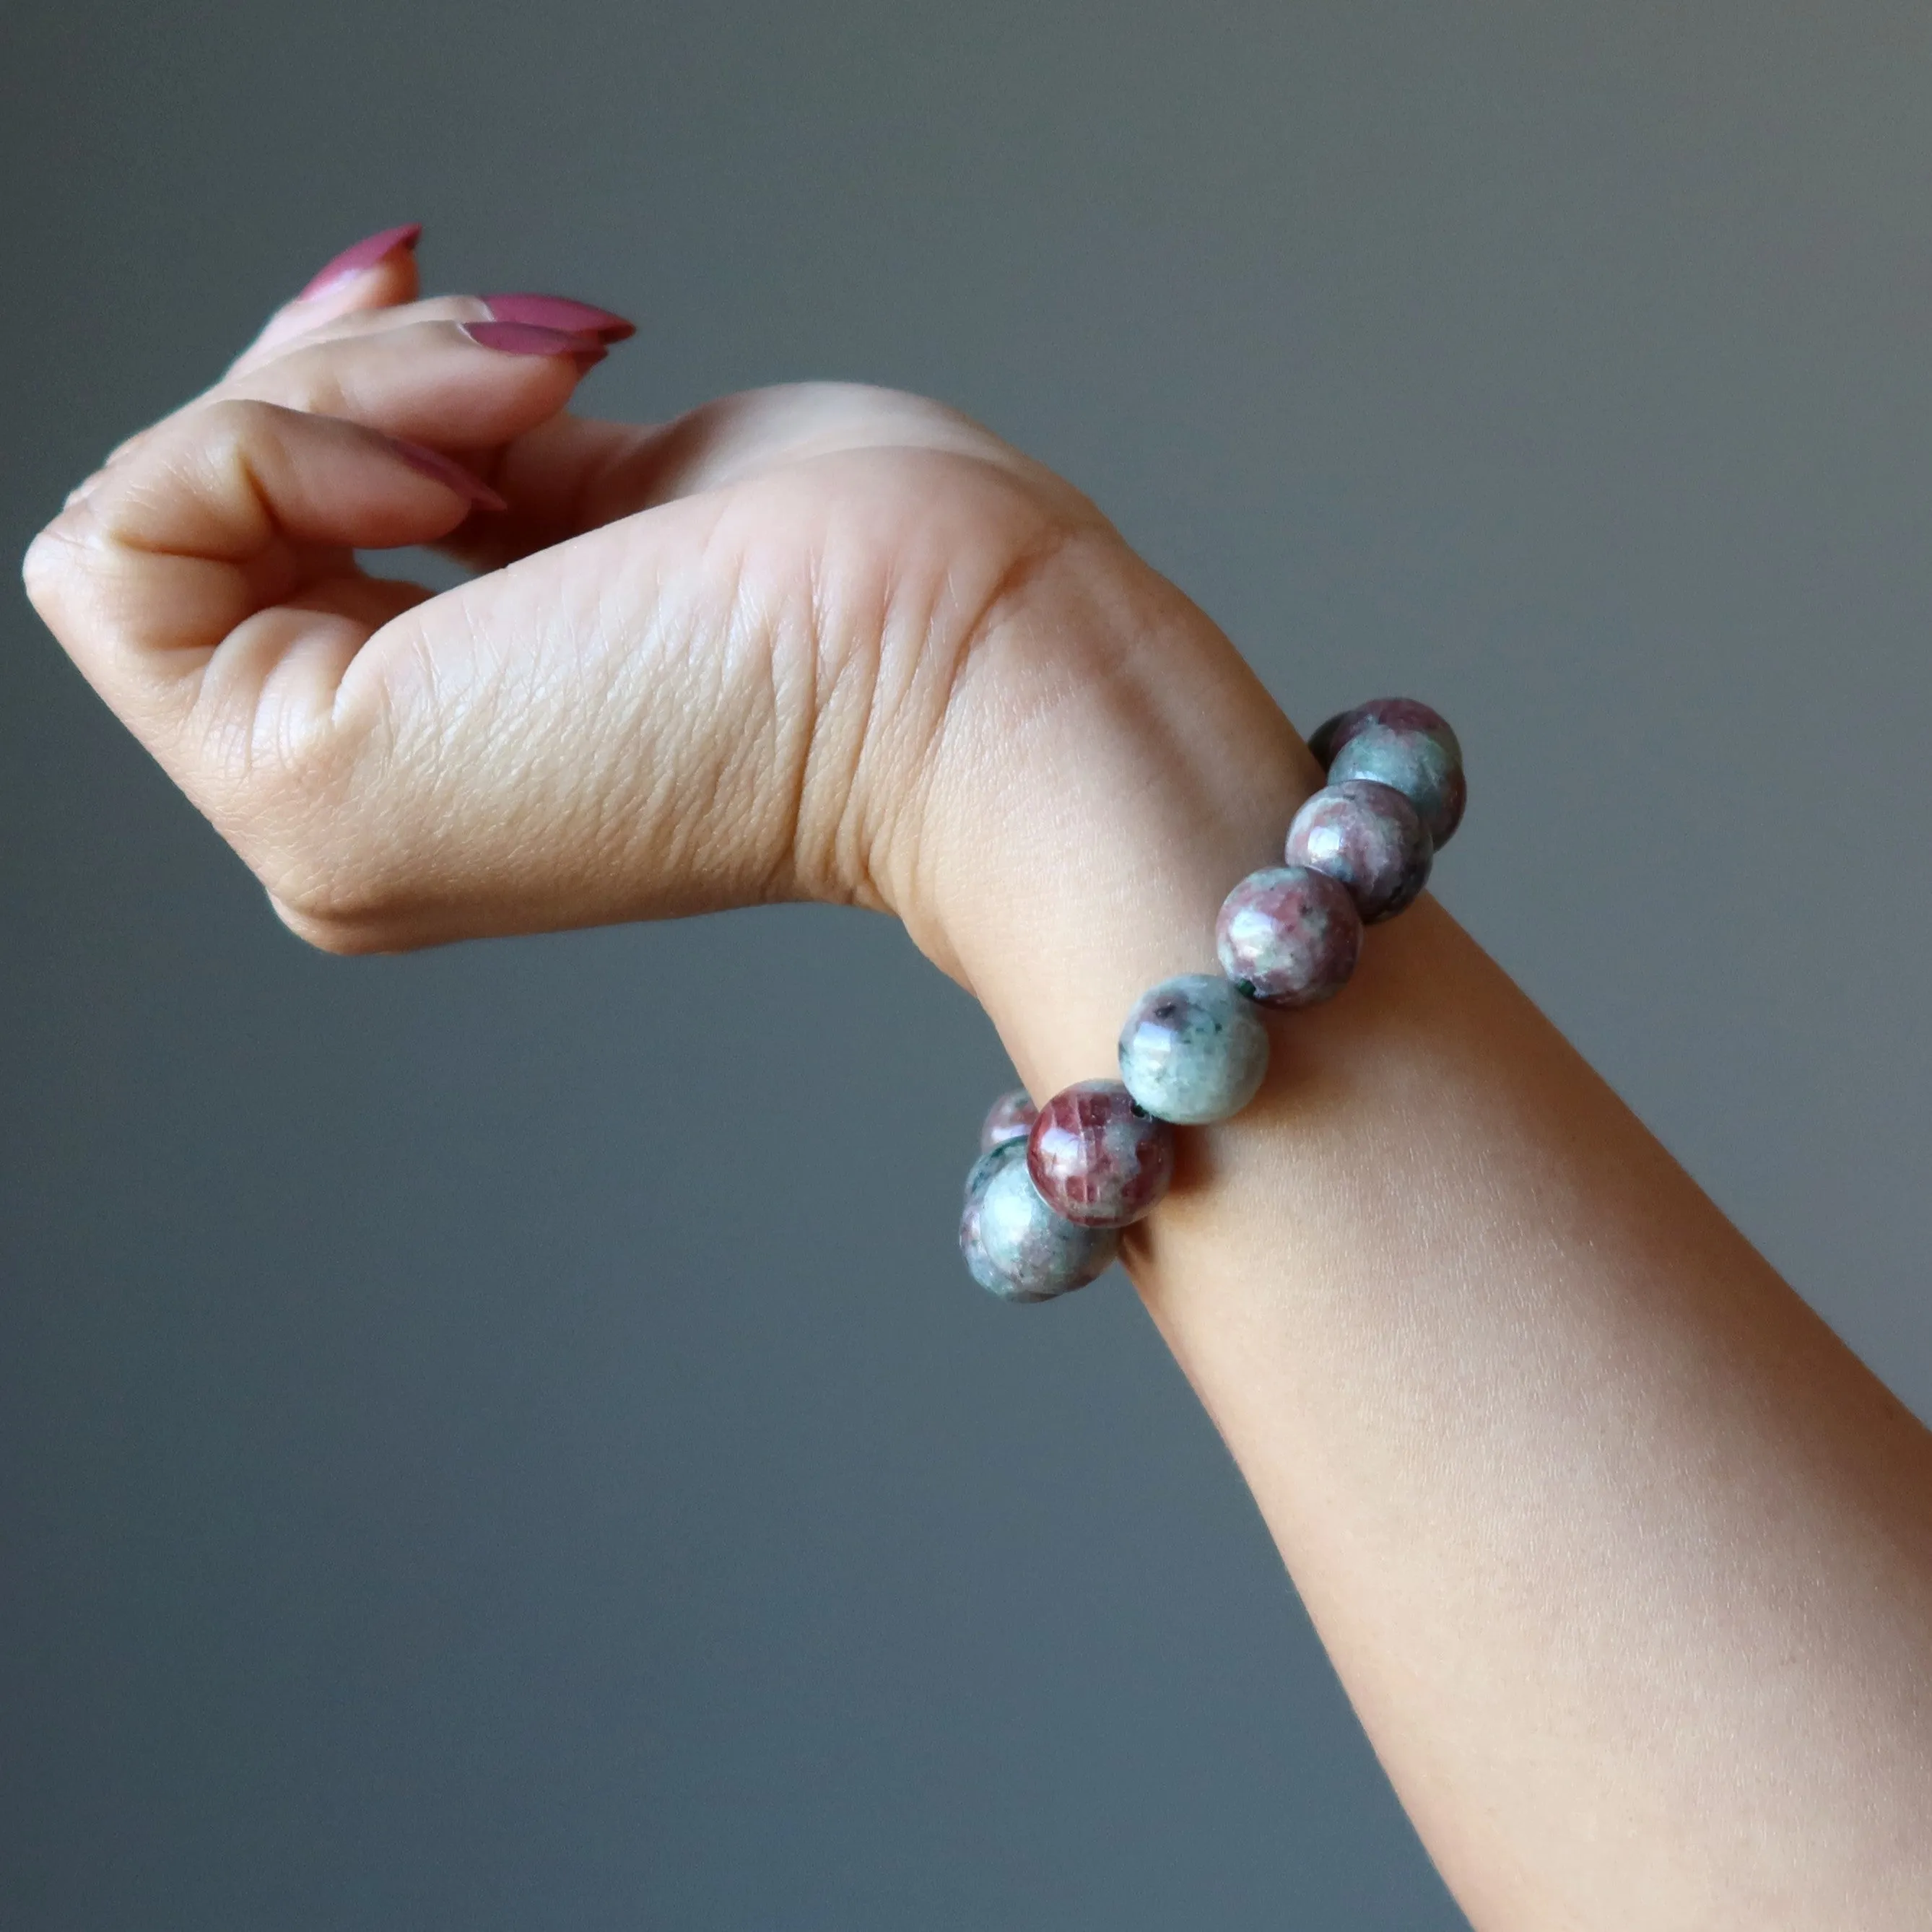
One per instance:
(997, 724)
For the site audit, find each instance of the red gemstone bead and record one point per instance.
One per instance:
(1288, 936)
(1097, 1158)
(1369, 837)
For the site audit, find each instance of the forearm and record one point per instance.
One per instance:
(1625, 1561)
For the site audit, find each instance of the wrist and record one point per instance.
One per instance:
(1112, 767)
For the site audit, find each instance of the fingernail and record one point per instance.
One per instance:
(447, 470)
(365, 254)
(560, 312)
(529, 338)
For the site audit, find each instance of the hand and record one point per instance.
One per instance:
(826, 641)
(1624, 1560)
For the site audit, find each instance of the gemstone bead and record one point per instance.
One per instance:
(1016, 1246)
(1369, 837)
(1009, 1118)
(1193, 1050)
(1001, 1154)
(1396, 741)
(1098, 1159)
(1322, 740)
(1400, 714)
(1288, 937)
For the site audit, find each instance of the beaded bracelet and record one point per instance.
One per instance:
(1053, 1186)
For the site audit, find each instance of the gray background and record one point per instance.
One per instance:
(473, 1455)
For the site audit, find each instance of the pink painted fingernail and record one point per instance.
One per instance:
(560, 312)
(447, 471)
(529, 338)
(365, 254)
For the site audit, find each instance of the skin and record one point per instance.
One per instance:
(1624, 1560)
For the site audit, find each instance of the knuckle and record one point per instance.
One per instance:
(53, 560)
(312, 377)
(306, 812)
(339, 882)
(213, 430)
(343, 938)
(305, 926)
(236, 418)
(44, 567)
(342, 909)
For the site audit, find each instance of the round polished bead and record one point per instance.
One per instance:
(1369, 837)
(1193, 1050)
(1016, 1246)
(1288, 936)
(1322, 740)
(1097, 1157)
(1009, 1118)
(1398, 742)
(1395, 714)
(1000, 1154)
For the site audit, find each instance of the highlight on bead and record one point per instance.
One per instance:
(1398, 742)
(1097, 1158)
(1370, 838)
(1010, 1118)
(1017, 1247)
(1194, 1050)
(992, 1159)
(1288, 936)
(1052, 1188)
